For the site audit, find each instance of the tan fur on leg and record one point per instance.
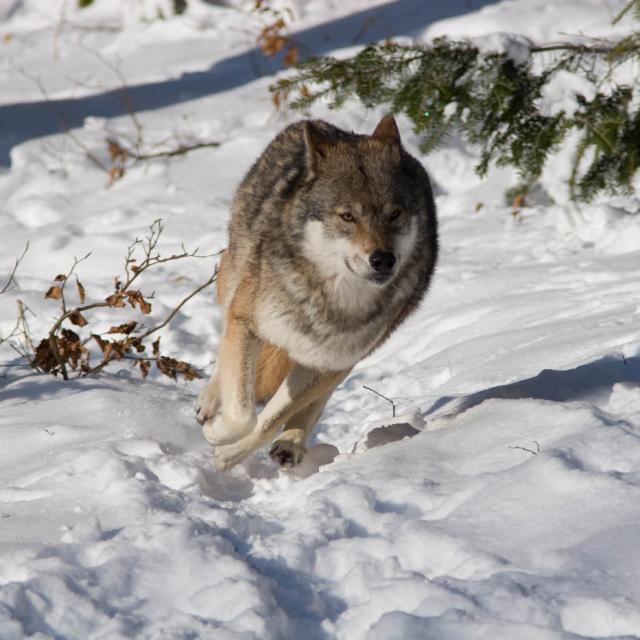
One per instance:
(208, 403)
(235, 379)
(301, 387)
(273, 366)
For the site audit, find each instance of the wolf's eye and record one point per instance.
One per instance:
(395, 214)
(347, 217)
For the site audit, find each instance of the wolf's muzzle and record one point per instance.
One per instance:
(382, 262)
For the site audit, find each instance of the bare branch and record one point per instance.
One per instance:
(170, 317)
(11, 278)
(127, 100)
(393, 405)
(24, 346)
(531, 451)
(64, 348)
(182, 149)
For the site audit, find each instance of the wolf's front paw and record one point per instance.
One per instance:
(207, 404)
(229, 455)
(221, 459)
(223, 430)
(286, 453)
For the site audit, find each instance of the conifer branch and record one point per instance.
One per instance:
(494, 100)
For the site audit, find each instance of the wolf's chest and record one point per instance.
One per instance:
(318, 347)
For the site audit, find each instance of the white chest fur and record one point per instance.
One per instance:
(338, 351)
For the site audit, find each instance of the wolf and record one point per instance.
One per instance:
(332, 244)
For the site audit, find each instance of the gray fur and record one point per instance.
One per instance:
(304, 222)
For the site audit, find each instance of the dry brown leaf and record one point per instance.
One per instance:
(136, 299)
(173, 368)
(116, 151)
(70, 349)
(291, 57)
(115, 299)
(112, 350)
(136, 343)
(145, 366)
(99, 340)
(54, 292)
(126, 328)
(77, 318)
(518, 201)
(81, 293)
(43, 358)
(115, 173)
(271, 44)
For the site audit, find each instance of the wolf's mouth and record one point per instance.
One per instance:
(380, 279)
(376, 278)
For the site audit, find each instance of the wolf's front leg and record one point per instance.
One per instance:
(208, 403)
(232, 387)
(302, 387)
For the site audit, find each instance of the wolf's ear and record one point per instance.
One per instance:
(316, 144)
(387, 130)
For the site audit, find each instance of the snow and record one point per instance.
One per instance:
(559, 94)
(502, 500)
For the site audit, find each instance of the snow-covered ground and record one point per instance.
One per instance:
(503, 501)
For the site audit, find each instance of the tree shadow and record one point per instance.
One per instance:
(591, 381)
(27, 120)
(36, 386)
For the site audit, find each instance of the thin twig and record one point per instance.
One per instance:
(531, 451)
(170, 317)
(624, 11)
(127, 100)
(81, 145)
(63, 122)
(25, 349)
(21, 328)
(64, 348)
(13, 271)
(178, 151)
(393, 405)
(576, 48)
(148, 332)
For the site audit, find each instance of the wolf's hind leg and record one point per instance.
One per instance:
(301, 387)
(289, 448)
(273, 366)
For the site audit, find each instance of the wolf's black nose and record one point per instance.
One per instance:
(382, 262)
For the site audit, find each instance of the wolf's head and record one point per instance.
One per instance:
(362, 202)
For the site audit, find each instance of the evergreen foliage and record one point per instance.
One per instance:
(494, 100)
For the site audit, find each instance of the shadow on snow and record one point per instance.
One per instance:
(589, 382)
(592, 381)
(27, 120)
